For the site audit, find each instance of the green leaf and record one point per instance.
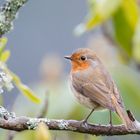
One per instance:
(28, 93)
(5, 56)
(124, 22)
(136, 43)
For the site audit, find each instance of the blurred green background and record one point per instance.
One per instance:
(112, 29)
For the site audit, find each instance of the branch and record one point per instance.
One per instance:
(107, 34)
(8, 12)
(42, 113)
(11, 122)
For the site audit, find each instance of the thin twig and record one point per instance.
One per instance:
(44, 109)
(107, 35)
(11, 135)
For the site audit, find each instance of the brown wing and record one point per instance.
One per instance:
(99, 94)
(100, 88)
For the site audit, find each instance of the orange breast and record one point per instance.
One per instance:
(76, 66)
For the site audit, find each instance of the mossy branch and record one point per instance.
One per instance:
(11, 122)
(8, 12)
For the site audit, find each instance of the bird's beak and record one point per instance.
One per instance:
(68, 57)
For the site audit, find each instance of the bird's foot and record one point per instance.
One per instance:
(84, 123)
(110, 123)
(110, 128)
(99, 124)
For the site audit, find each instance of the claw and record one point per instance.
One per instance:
(84, 123)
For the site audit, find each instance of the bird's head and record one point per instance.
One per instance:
(82, 59)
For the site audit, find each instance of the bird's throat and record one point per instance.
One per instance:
(77, 66)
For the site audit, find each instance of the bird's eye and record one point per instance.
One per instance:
(83, 58)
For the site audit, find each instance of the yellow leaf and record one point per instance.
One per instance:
(23, 88)
(131, 11)
(16, 79)
(28, 93)
(42, 132)
(5, 56)
(99, 12)
(3, 42)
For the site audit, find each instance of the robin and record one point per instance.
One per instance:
(93, 86)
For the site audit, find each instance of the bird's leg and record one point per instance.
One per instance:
(110, 118)
(110, 121)
(85, 120)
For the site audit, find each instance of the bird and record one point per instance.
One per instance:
(94, 87)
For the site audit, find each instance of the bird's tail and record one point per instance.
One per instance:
(123, 115)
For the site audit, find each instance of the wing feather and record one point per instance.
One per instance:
(99, 87)
(98, 94)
